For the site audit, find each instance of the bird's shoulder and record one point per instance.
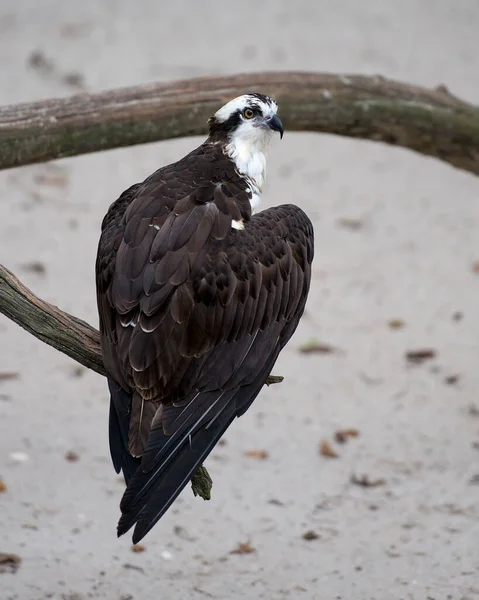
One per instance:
(204, 182)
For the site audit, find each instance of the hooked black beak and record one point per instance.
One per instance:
(276, 124)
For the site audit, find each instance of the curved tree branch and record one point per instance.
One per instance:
(431, 122)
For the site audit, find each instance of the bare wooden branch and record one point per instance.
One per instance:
(74, 338)
(432, 122)
(48, 323)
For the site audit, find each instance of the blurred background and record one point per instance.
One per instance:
(395, 513)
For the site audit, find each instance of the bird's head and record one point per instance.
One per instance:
(249, 120)
(245, 126)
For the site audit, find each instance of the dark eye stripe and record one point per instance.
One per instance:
(255, 102)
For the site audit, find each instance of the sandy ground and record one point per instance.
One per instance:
(396, 239)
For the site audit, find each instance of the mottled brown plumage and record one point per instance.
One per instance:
(193, 315)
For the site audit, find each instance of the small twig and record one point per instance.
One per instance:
(272, 379)
(201, 483)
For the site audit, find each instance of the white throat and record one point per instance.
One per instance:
(249, 119)
(250, 160)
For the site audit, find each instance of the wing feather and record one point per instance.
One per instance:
(193, 315)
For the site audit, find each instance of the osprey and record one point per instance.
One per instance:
(197, 295)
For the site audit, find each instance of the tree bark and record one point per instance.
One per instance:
(66, 333)
(432, 122)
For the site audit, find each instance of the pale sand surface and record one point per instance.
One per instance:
(416, 536)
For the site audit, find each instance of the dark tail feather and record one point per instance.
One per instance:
(151, 493)
(118, 431)
(161, 448)
(162, 486)
(176, 457)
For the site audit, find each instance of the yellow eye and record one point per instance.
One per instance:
(248, 113)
